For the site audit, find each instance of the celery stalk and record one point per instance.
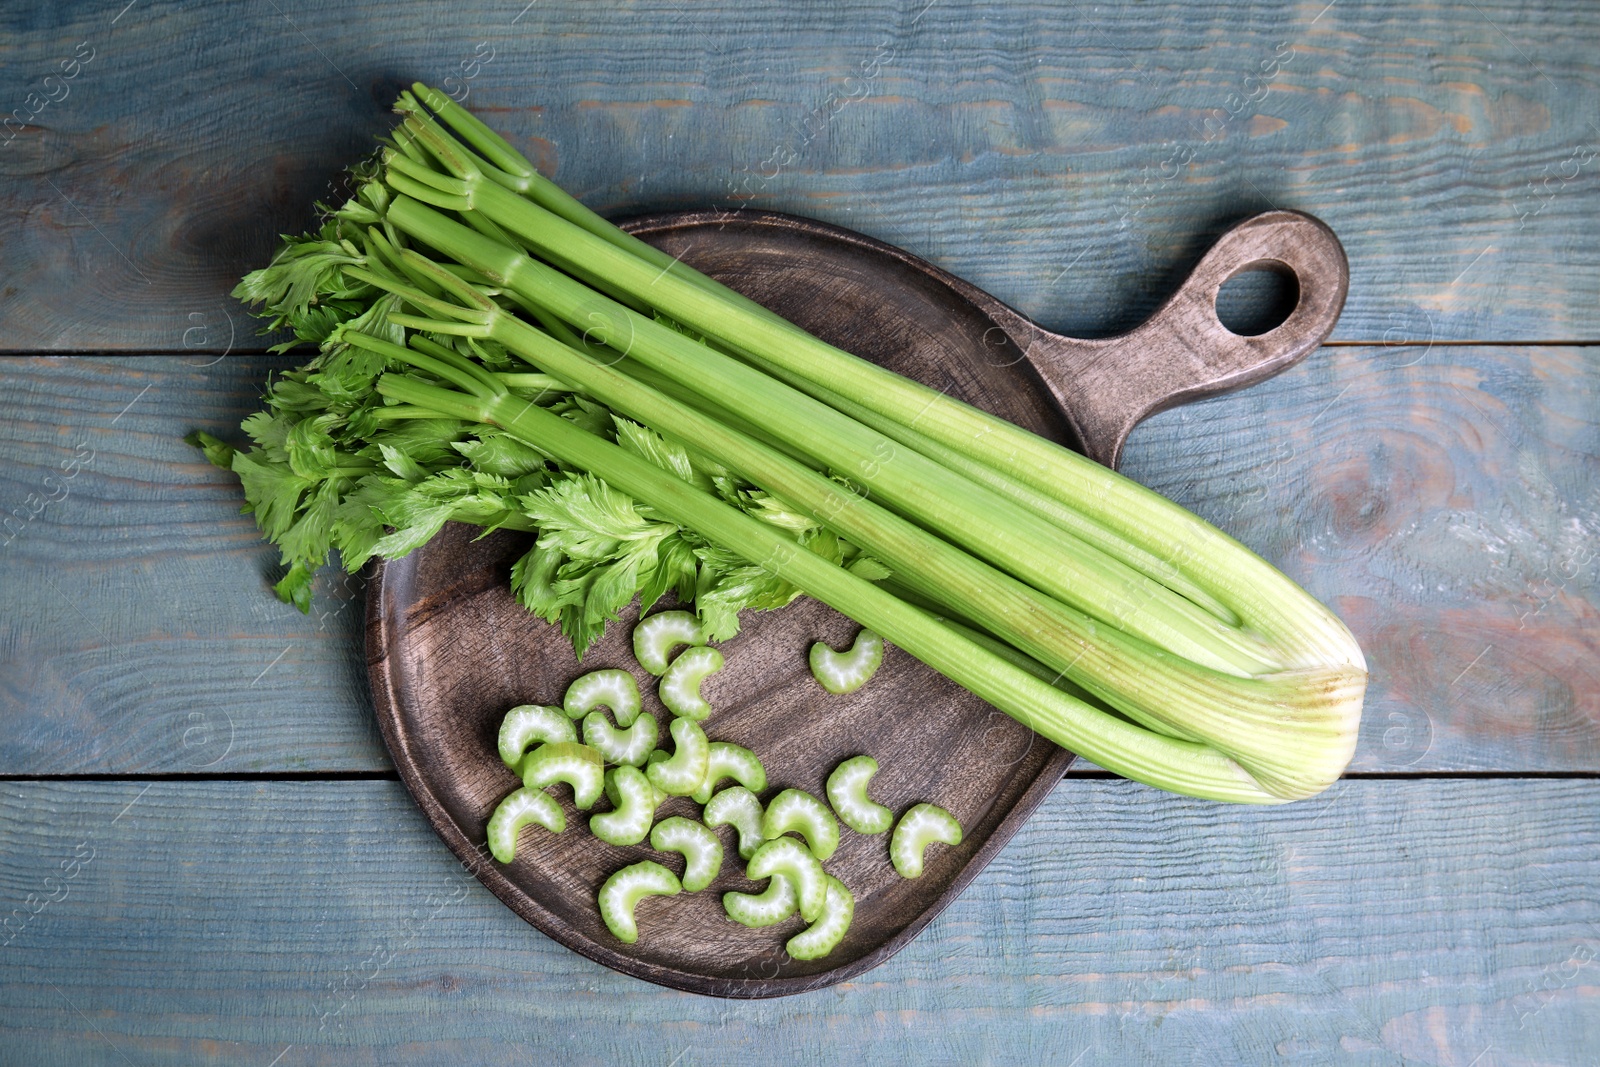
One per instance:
(1180, 766)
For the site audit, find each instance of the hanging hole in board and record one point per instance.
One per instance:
(1258, 299)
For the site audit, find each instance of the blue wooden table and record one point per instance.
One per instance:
(205, 856)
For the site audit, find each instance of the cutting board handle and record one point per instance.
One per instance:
(1183, 351)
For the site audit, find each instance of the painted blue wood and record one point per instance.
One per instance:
(138, 630)
(1423, 921)
(1442, 500)
(1071, 159)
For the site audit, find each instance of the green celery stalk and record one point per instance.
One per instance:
(986, 523)
(1169, 763)
(936, 569)
(1240, 686)
(1159, 691)
(1129, 522)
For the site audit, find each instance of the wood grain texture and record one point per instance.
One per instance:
(1071, 160)
(451, 651)
(1418, 922)
(1440, 499)
(891, 307)
(138, 630)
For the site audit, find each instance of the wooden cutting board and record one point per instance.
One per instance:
(449, 650)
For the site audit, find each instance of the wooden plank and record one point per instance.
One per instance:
(1442, 500)
(1071, 162)
(138, 631)
(1421, 921)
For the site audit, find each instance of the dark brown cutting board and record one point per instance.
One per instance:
(449, 650)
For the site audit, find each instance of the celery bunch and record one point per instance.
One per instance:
(494, 353)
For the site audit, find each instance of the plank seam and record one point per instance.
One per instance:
(204, 776)
(391, 776)
(211, 356)
(1397, 776)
